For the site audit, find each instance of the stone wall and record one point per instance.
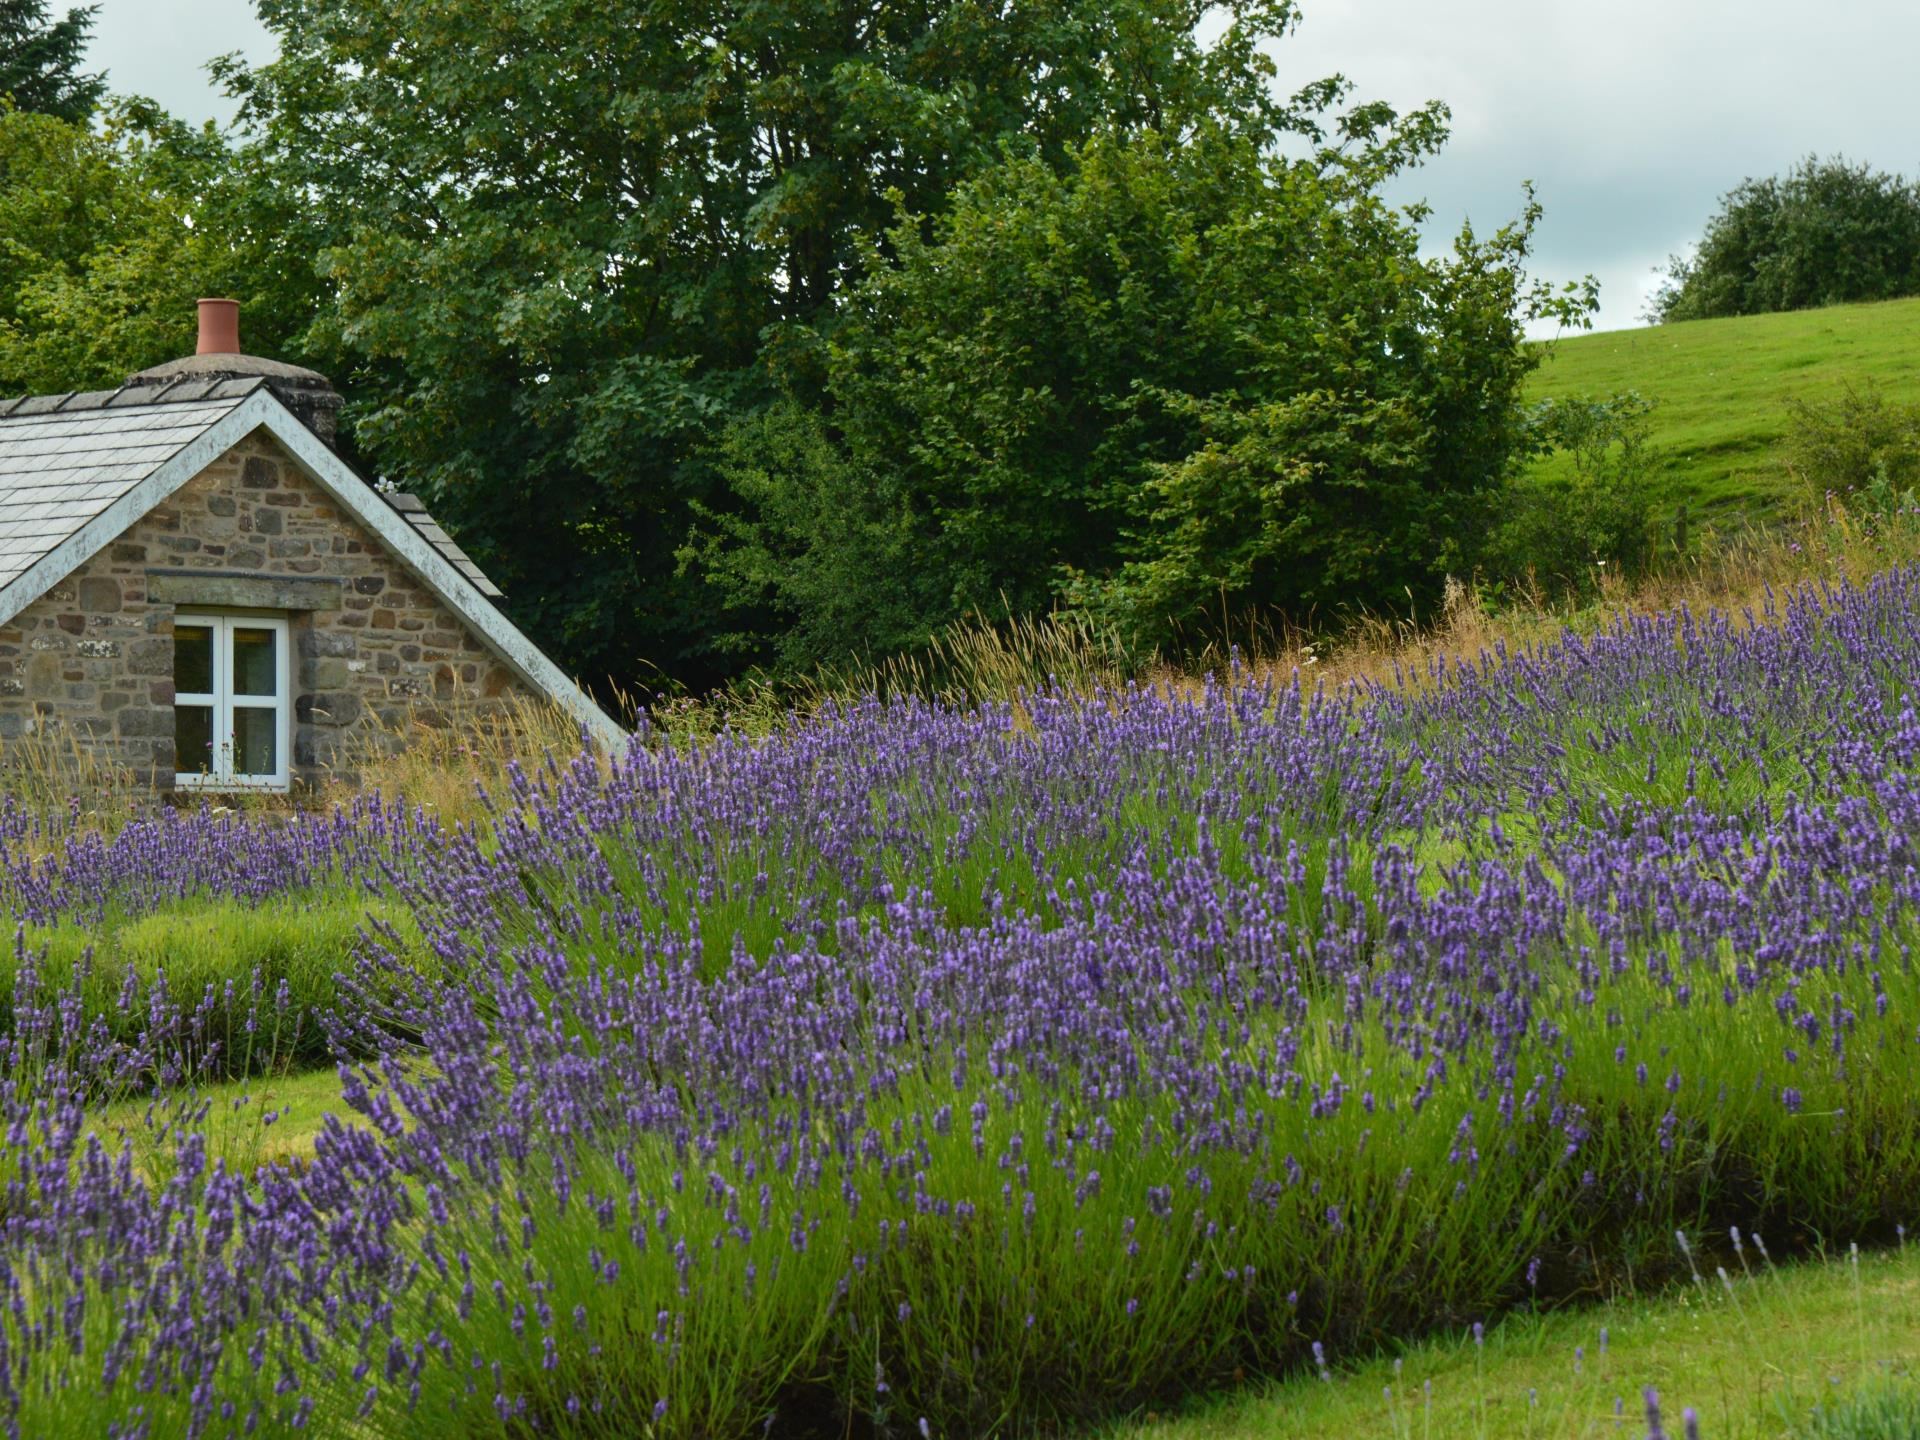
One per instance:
(94, 656)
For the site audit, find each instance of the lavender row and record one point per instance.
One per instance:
(1731, 712)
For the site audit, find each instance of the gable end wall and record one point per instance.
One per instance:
(94, 655)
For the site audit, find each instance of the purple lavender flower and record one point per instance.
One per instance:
(1087, 982)
(1652, 1397)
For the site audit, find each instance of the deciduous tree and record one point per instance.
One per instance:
(1826, 233)
(109, 234)
(1167, 376)
(573, 240)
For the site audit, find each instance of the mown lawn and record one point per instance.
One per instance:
(1753, 1362)
(1723, 388)
(247, 1123)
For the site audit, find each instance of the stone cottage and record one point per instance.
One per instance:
(196, 585)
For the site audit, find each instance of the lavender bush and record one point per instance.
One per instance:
(921, 1068)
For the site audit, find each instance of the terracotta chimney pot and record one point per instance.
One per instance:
(219, 327)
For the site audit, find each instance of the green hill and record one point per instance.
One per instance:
(1722, 387)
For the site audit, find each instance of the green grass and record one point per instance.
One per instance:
(244, 952)
(1722, 388)
(1754, 1363)
(237, 1126)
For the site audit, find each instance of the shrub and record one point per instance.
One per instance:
(1858, 447)
(220, 970)
(300, 945)
(1176, 375)
(1559, 529)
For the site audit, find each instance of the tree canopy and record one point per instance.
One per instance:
(1826, 233)
(107, 236)
(1161, 377)
(40, 60)
(725, 334)
(570, 244)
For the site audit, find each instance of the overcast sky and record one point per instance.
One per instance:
(1631, 116)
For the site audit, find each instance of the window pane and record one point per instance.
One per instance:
(255, 737)
(192, 660)
(193, 739)
(254, 670)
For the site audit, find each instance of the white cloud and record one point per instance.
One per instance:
(1632, 118)
(160, 48)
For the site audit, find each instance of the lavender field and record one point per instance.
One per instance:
(918, 1071)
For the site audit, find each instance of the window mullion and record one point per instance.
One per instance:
(223, 697)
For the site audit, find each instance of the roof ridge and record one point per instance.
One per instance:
(75, 402)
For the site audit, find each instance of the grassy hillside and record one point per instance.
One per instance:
(1723, 385)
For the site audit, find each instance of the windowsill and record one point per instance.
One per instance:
(208, 785)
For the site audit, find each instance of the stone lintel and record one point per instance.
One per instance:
(242, 590)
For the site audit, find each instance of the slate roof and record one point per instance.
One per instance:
(414, 511)
(65, 458)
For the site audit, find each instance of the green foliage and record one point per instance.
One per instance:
(40, 60)
(1596, 512)
(108, 236)
(1118, 383)
(1825, 233)
(1719, 438)
(783, 335)
(1860, 447)
(570, 243)
(831, 556)
(1887, 1410)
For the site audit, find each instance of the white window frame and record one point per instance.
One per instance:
(223, 702)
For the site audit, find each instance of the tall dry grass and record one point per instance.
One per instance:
(54, 770)
(969, 662)
(1734, 571)
(421, 760)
